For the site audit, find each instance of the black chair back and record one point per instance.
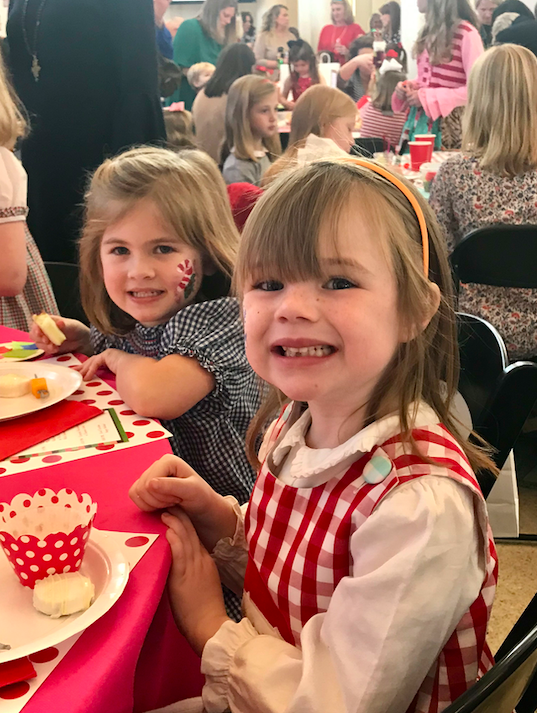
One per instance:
(483, 357)
(501, 255)
(499, 397)
(64, 280)
(367, 147)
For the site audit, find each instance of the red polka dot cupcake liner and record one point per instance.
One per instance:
(45, 533)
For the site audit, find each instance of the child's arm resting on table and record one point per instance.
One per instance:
(417, 567)
(166, 389)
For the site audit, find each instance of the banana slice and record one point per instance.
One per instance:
(50, 328)
(13, 385)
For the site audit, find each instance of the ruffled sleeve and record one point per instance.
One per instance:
(212, 333)
(13, 188)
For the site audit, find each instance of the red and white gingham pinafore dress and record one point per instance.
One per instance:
(299, 550)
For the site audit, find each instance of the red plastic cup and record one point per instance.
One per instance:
(419, 153)
(430, 139)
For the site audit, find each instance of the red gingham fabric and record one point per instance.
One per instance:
(299, 551)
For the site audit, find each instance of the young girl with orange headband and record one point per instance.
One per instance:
(364, 556)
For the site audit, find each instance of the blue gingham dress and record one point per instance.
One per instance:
(210, 436)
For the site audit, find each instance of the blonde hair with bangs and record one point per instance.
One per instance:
(191, 197)
(280, 241)
(500, 121)
(348, 17)
(12, 122)
(244, 94)
(314, 111)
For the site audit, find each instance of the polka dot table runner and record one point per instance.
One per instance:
(98, 393)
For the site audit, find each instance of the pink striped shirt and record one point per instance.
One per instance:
(443, 87)
(376, 124)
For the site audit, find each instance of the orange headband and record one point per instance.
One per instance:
(408, 194)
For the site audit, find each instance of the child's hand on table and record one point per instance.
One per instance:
(109, 358)
(171, 482)
(77, 333)
(193, 584)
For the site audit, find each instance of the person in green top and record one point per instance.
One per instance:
(201, 40)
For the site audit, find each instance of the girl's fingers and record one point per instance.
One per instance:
(176, 546)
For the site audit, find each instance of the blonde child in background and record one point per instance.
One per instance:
(199, 74)
(322, 126)
(378, 117)
(251, 129)
(179, 126)
(365, 555)
(24, 285)
(304, 72)
(159, 242)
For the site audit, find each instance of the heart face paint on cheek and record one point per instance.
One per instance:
(187, 279)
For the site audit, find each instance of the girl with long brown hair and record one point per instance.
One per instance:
(446, 49)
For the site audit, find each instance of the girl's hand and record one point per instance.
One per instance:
(108, 358)
(364, 62)
(193, 583)
(412, 98)
(400, 91)
(172, 482)
(78, 336)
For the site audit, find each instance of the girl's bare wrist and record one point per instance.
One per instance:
(217, 523)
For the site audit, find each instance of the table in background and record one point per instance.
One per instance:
(133, 658)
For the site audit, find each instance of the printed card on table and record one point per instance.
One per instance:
(117, 428)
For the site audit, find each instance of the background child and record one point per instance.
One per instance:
(366, 558)
(324, 118)
(356, 74)
(158, 242)
(179, 126)
(24, 285)
(446, 49)
(304, 72)
(209, 108)
(251, 129)
(199, 74)
(378, 118)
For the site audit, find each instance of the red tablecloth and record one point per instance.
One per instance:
(133, 658)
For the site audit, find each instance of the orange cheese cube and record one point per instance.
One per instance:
(39, 388)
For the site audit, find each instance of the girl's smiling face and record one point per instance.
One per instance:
(327, 341)
(148, 272)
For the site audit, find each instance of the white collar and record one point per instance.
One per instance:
(317, 460)
(257, 154)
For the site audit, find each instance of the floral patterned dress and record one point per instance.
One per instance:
(466, 197)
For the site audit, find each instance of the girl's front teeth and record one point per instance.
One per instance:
(317, 351)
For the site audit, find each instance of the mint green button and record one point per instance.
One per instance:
(378, 468)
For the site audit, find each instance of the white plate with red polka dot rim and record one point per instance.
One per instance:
(26, 630)
(61, 383)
